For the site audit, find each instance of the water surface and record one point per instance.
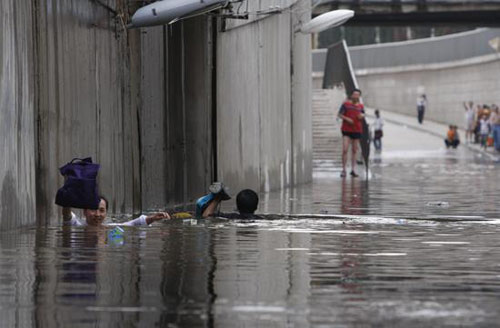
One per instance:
(415, 245)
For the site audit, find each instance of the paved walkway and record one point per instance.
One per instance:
(433, 128)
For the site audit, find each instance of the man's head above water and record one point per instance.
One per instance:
(247, 201)
(97, 217)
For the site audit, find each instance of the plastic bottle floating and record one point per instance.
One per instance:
(115, 236)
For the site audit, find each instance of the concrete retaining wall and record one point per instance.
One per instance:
(263, 129)
(439, 49)
(17, 121)
(176, 113)
(88, 100)
(140, 102)
(301, 99)
(137, 101)
(449, 70)
(447, 86)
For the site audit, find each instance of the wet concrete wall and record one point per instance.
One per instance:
(88, 99)
(17, 134)
(141, 103)
(301, 98)
(447, 86)
(176, 115)
(137, 101)
(264, 120)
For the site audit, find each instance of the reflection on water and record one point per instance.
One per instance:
(378, 252)
(465, 183)
(297, 272)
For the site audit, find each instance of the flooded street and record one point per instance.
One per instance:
(415, 245)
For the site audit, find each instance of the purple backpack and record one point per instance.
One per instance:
(80, 188)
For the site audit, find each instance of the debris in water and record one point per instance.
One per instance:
(438, 204)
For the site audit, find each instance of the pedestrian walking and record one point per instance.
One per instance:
(495, 126)
(352, 113)
(421, 105)
(484, 130)
(478, 114)
(378, 131)
(469, 121)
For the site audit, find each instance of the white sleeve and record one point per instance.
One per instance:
(140, 221)
(75, 221)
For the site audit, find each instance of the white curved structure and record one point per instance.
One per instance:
(327, 20)
(168, 11)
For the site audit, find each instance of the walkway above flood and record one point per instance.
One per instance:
(413, 170)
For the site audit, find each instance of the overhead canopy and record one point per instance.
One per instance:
(168, 11)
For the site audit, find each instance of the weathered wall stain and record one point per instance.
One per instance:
(17, 161)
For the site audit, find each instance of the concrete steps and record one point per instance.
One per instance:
(327, 146)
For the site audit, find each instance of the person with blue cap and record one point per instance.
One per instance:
(247, 202)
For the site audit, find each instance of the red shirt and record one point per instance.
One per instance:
(352, 111)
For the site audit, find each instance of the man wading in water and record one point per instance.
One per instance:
(96, 217)
(352, 113)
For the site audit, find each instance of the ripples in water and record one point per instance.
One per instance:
(351, 271)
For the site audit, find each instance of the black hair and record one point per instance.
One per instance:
(377, 113)
(105, 200)
(247, 201)
(355, 90)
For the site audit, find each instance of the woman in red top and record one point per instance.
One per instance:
(352, 113)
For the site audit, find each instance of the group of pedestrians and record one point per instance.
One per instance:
(482, 124)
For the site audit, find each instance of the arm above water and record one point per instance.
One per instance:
(212, 206)
(147, 220)
(66, 213)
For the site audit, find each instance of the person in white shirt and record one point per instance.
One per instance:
(96, 217)
(378, 132)
(484, 130)
(469, 121)
(421, 104)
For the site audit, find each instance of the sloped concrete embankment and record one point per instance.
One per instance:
(447, 84)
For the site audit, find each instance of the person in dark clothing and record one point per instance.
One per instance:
(421, 105)
(378, 132)
(247, 202)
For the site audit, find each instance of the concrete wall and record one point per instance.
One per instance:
(137, 101)
(440, 49)
(264, 104)
(141, 103)
(88, 100)
(176, 114)
(17, 122)
(447, 86)
(301, 98)
(449, 70)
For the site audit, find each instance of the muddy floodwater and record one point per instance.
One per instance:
(415, 245)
